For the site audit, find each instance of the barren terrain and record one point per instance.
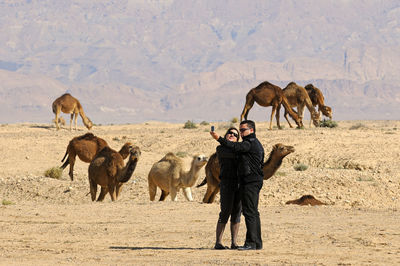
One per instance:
(354, 168)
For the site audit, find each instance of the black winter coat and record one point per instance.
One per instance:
(251, 157)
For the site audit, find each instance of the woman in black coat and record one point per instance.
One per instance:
(229, 191)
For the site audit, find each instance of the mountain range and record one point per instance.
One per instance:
(177, 60)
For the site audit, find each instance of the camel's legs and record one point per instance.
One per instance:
(76, 121)
(173, 192)
(187, 191)
(112, 191)
(70, 122)
(207, 196)
(71, 158)
(103, 193)
(118, 189)
(286, 117)
(152, 189)
(57, 115)
(164, 194)
(248, 105)
(93, 189)
(274, 107)
(213, 194)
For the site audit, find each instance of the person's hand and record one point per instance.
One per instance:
(214, 135)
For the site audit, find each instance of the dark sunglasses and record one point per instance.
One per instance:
(243, 129)
(233, 133)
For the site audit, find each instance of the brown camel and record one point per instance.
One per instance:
(267, 94)
(168, 174)
(107, 170)
(70, 105)
(298, 97)
(317, 98)
(86, 147)
(270, 166)
(306, 200)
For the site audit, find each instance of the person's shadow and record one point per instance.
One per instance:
(155, 248)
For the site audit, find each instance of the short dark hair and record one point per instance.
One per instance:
(250, 124)
(229, 130)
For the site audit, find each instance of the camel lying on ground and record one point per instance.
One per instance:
(317, 98)
(267, 94)
(270, 166)
(306, 200)
(70, 105)
(107, 170)
(168, 174)
(298, 97)
(61, 121)
(86, 147)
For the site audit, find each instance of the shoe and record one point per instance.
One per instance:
(247, 247)
(220, 246)
(233, 246)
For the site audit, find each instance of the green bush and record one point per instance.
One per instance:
(357, 126)
(234, 120)
(7, 202)
(54, 172)
(189, 125)
(328, 123)
(204, 123)
(300, 167)
(181, 154)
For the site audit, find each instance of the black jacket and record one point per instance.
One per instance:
(228, 161)
(251, 157)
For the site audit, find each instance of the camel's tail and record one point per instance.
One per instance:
(65, 163)
(202, 182)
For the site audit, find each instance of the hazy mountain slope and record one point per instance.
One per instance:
(130, 61)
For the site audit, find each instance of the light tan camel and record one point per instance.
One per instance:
(61, 121)
(86, 147)
(107, 170)
(298, 97)
(306, 200)
(168, 174)
(270, 166)
(70, 105)
(267, 94)
(317, 98)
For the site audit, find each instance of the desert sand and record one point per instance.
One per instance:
(354, 168)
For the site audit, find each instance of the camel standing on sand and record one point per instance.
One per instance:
(270, 166)
(107, 170)
(70, 105)
(168, 174)
(317, 98)
(267, 94)
(298, 97)
(86, 147)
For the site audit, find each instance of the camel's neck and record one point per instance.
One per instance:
(189, 178)
(128, 170)
(271, 165)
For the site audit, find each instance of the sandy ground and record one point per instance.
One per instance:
(354, 168)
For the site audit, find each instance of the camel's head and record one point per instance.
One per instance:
(134, 152)
(283, 150)
(327, 111)
(199, 160)
(88, 123)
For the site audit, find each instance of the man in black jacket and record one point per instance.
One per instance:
(251, 158)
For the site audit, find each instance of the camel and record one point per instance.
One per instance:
(86, 147)
(317, 98)
(168, 174)
(306, 200)
(70, 105)
(107, 170)
(61, 121)
(270, 166)
(298, 97)
(267, 94)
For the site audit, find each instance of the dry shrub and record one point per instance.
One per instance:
(54, 172)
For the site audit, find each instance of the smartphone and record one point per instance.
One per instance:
(212, 128)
